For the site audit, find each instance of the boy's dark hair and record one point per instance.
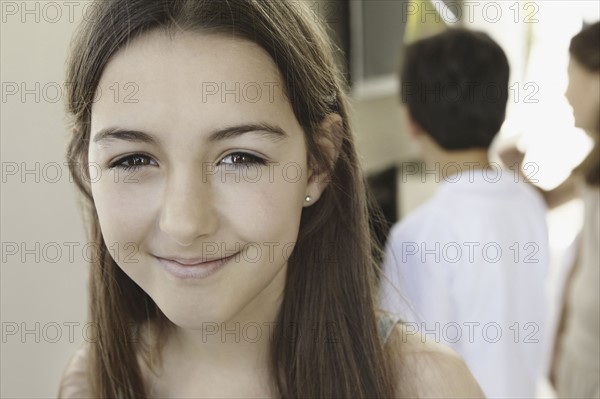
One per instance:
(455, 85)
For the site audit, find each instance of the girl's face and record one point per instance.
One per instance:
(583, 93)
(196, 158)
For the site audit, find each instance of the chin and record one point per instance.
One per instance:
(586, 123)
(590, 131)
(193, 320)
(191, 312)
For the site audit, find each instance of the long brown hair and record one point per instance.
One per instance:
(331, 272)
(585, 49)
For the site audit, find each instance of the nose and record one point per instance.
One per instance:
(187, 212)
(568, 91)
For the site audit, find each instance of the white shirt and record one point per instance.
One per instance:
(471, 263)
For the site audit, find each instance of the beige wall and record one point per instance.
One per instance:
(39, 216)
(380, 136)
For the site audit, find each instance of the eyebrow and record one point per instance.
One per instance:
(112, 133)
(267, 130)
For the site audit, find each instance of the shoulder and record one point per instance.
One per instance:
(74, 382)
(428, 369)
(416, 221)
(529, 197)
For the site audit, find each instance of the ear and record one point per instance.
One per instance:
(329, 140)
(414, 129)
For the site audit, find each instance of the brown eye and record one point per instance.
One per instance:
(241, 158)
(133, 162)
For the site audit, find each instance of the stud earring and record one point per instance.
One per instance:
(307, 198)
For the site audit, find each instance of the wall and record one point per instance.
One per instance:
(44, 271)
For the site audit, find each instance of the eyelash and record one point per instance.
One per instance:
(253, 160)
(120, 164)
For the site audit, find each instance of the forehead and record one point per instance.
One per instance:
(190, 79)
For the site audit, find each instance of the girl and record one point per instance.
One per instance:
(223, 189)
(577, 359)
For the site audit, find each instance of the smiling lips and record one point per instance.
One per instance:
(193, 268)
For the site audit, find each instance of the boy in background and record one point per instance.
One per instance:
(468, 267)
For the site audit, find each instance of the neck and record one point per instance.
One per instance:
(593, 133)
(452, 162)
(466, 159)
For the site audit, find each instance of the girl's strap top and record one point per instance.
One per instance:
(385, 325)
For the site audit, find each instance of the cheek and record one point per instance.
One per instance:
(586, 111)
(584, 97)
(124, 215)
(267, 210)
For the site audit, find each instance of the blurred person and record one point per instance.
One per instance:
(468, 266)
(576, 366)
